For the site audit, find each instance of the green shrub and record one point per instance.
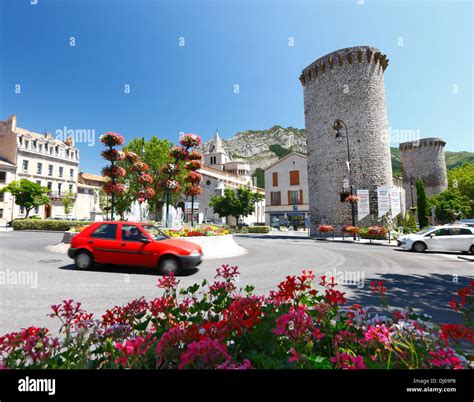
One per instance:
(36, 224)
(258, 229)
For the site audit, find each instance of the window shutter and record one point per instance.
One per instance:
(294, 177)
(289, 197)
(275, 179)
(271, 198)
(301, 197)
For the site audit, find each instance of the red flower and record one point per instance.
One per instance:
(326, 228)
(193, 189)
(112, 139)
(145, 178)
(190, 140)
(378, 287)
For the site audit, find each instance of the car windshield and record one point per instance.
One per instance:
(425, 230)
(155, 232)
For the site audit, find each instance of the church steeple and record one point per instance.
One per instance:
(216, 144)
(217, 156)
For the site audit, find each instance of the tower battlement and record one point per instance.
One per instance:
(347, 56)
(423, 142)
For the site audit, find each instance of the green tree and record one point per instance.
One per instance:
(462, 179)
(68, 200)
(452, 205)
(27, 194)
(156, 155)
(279, 151)
(259, 173)
(421, 203)
(237, 203)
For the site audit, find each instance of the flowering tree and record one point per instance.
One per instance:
(113, 187)
(183, 154)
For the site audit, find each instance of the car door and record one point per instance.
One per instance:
(463, 239)
(135, 245)
(438, 240)
(104, 243)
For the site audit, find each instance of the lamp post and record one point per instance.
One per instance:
(337, 126)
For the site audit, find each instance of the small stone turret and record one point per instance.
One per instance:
(423, 159)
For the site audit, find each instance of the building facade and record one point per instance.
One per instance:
(286, 192)
(87, 199)
(49, 162)
(346, 85)
(220, 172)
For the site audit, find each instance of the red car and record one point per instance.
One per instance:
(131, 243)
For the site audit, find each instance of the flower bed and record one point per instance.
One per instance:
(215, 325)
(374, 233)
(199, 231)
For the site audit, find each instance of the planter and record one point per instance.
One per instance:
(67, 237)
(215, 247)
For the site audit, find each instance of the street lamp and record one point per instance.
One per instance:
(337, 126)
(412, 186)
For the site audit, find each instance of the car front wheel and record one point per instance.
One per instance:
(419, 247)
(83, 260)
(169, 265)
(472, 249)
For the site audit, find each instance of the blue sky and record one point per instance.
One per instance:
(190, 88)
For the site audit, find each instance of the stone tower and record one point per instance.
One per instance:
(348, 85)
(423, 159)
(216, 156)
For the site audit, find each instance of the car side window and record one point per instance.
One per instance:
(466, 232)
(132, 233)
(105, 231)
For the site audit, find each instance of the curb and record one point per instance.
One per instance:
(355, 242)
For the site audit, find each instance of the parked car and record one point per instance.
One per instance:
(131, 243)
(440, 238)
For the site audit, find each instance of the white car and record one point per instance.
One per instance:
(440, 238)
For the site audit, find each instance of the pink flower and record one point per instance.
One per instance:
(206, 353)
(295, 357)
(379, 333)
(347, 361)
(294, 324)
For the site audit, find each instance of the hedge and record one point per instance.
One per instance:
(35, 224)
(258, 229)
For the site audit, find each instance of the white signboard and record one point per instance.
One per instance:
(187, 205)
(395, 201)
(383, 200)
(363, 208)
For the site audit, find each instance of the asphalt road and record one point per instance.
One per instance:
(424, 281)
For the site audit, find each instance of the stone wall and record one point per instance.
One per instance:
(423, 159)
(347, 84)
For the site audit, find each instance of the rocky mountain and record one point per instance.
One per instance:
(261, 148)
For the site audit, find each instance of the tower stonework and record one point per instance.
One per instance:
(348, 85)
(423, 159)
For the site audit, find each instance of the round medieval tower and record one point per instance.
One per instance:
(346, 85)
(423, 159)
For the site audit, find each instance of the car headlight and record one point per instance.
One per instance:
(195, 253)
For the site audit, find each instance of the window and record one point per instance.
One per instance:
(3, 177)
(465, 232)
(71, 173)
(294, 197)
(40, 148)
(70, 188)
(50, 185)
(39, 168)
(27, 144)
(106, 231)
(36, 210)
(1, 213)
(50, 170)
(22, 210)
(2, 197)
(25, 165)
(132, 233)
(38, 182)
(275, 179)
(275, 198)
(441, 232)
(59, 188)
(61, 170)
(294, 177)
